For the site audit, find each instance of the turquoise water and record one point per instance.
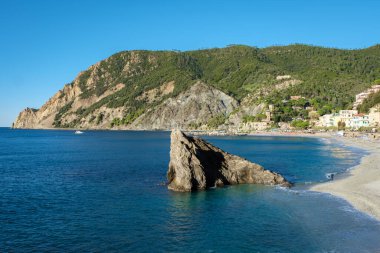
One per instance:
(102, 192)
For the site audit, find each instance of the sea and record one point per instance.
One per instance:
(104, 191)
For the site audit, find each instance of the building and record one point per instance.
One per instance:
(347, 113)
(359, 120)
(329, 120)
(346, 116)
(351, 119)
(254, 126)
(268, 115)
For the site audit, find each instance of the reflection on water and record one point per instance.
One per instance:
(340, 153)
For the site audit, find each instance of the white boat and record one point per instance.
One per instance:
(78, 132)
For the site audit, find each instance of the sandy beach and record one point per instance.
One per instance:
(361, 187)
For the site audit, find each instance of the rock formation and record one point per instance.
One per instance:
(198, 165)
(196, 105)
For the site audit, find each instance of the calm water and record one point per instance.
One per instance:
(102, 192)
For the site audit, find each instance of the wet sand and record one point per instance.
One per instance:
(361, 186)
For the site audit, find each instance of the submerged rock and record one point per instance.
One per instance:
(197, 165)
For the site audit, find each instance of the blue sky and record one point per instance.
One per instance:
(45, 43)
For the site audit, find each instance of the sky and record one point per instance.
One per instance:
(44, 44)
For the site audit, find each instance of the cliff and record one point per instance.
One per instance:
(205, 89)
(194, 107)
(198, 165)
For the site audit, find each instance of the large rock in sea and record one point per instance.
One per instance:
(197, 165)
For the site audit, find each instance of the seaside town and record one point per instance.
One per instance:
(350, 122)
(351, 119)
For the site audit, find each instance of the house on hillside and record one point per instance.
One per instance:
(359, 120)
(254, 126)
(329, 120)
(351, 119)
(346, 116)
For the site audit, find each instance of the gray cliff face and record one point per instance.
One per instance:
(69, 97)
(64, 109)
(26, 118)
(198, 165)
(195, 106)
(44, 117)
(140, 90)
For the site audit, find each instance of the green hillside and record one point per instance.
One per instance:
(330, 77)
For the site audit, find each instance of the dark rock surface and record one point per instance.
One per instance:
(198, 165)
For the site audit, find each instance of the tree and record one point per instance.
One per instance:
(300, 124)
(341, 125)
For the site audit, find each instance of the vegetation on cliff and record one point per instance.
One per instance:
(326, 78)
(371, 101)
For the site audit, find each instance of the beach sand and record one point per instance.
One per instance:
(361, 187)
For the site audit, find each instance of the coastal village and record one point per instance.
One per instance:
(351, 119)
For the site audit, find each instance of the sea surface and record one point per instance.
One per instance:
(103, 191)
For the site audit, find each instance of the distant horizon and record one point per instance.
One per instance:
(46, 44)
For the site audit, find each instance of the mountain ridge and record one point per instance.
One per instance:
(115, 92)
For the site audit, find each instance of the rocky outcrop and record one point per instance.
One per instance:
(66, 108)
(44, 117)
(198, 165)
(64, 103)
(26, 118)
(195, 106)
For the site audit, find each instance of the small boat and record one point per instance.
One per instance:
(78, 132)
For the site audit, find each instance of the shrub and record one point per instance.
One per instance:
(300, 124)
(216, 121)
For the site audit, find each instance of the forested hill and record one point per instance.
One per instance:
(133, 81)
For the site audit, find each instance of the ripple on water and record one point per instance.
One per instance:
(101, 192)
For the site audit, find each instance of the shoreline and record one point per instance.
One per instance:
(360, 185)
